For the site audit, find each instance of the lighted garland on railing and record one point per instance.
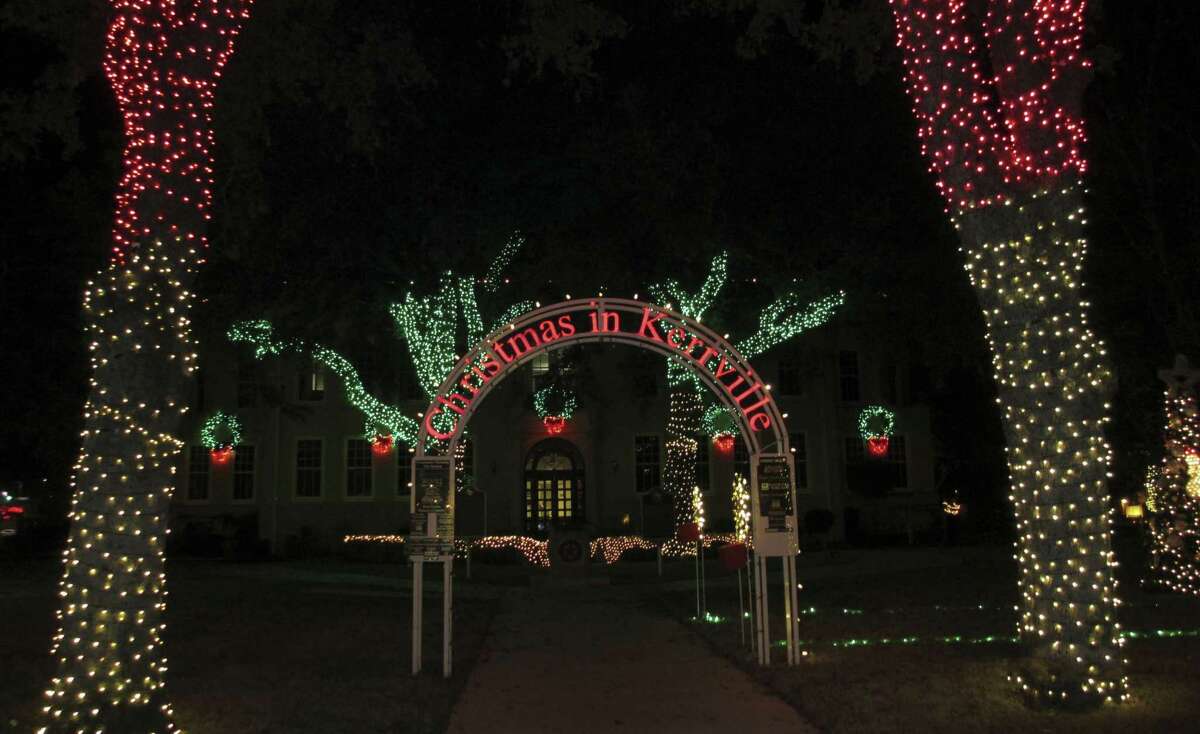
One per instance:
(611, 548)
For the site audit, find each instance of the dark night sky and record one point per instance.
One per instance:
(363, 145)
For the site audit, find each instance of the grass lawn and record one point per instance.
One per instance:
(272, 647)
(932, 686)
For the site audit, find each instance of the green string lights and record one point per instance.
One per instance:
(787, 317)
(876, 421)
(381, 419)
(718, 421)
(783, 319)
(554, 401)
(221, 431)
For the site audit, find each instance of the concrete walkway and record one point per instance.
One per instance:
(598, 659)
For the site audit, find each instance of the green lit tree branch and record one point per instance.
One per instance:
(381, 417)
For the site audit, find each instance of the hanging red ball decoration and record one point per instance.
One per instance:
(733, 556)
(554, 424)
(723, 442)
(381, 445)
(877, 445)
(221, 455)
(689, 532)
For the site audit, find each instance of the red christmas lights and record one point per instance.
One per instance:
(163, 60)
(986, 132)
(724, 442)
(7, 511)
(877, 446)
(382, 445)
(221, 455)
(554, 424)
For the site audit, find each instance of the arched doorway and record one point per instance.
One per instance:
(553, 486)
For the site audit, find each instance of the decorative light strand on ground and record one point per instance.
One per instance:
(163, 61)
(1004, 146)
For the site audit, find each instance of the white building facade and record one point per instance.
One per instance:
(305, 476)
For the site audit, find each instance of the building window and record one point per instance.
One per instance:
(647, 463)
(897, 456)
(308, 467)
(539, 370)
(243, 473)
(703, 446)
(890, 380)
(403, 470)
(854, 451)
(247, 383)
(789, 378)
(848, 375)
(358, 467)
(198, 474)
(741, 458)
(799, 458)
(312, 383)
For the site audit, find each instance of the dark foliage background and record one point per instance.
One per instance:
(365, 146)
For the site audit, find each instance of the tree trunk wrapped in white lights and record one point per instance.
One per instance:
(163, 60)
(997, 89)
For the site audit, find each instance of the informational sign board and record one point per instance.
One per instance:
(431, 533)
(773, 504)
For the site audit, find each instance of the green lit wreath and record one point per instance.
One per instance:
(554, 402)
(718, 421)
(876, 425)
(221, 431)
(555, 405)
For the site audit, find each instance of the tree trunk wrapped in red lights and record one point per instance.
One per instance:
(997, 90)
(163, 60)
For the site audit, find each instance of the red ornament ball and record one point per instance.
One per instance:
(877, 445)
(689, 532)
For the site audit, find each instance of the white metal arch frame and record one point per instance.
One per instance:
(775, 440)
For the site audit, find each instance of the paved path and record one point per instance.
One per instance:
(590, 660)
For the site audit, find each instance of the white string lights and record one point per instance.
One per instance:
(1004, 146)
(163, 60)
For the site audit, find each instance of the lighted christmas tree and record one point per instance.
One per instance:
(1174, 521)
(997, 91)
(163, 60)
(785, 318)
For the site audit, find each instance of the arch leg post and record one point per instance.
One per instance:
(447, 614)
(418, 599)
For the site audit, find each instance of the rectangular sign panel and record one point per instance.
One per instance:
(773, 505)
(431, 533)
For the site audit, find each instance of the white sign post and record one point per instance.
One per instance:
(773, 520)
(431, 538)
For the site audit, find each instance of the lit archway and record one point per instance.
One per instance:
(714, 361)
